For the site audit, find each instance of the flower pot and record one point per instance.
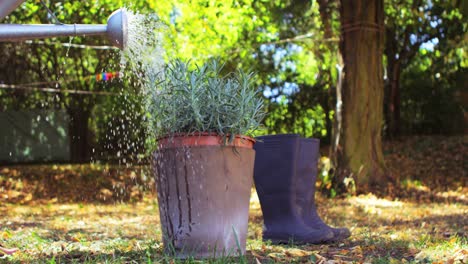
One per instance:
(203, 190)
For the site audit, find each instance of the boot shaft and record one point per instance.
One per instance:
(286, 164)
(306, 170)
(285, 173)
(308, 157)
(273, 174)
(283, 182)
(275, 163)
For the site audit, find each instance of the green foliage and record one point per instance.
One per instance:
(251, 35)
(196, 24)
(425, 42)
(287, 43)
(297, 69)
(430, 96)
(50, 63)
(191, 100)
(284, 117)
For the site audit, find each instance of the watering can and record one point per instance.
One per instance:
(115, 29)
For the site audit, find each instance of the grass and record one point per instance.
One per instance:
(383, 232)
(105, 214)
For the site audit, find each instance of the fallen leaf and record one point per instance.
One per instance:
(255, 254)
(276, 256)
(6, 235)
(453, 240)
(344, 252)
(319, 259)
(461, 255)
(295, 252)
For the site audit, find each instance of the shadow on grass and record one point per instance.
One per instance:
(450, 222)
(426, 195)
(19, 225)
(33, 184)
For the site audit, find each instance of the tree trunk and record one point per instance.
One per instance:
(329, 102)
(328, 119)
(394, 101)
(78, 132)
(392, 86)
(359, 162)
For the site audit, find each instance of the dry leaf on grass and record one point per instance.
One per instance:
(276, 256)
(295, 252)
(461, 255)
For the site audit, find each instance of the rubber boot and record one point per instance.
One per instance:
(274, 176)
(307, 175)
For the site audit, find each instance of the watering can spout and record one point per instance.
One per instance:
(115, 30)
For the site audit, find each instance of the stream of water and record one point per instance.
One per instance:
(144, 55)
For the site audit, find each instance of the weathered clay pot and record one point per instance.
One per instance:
(203, 192)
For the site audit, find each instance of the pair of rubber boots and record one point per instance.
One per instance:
(285, 173)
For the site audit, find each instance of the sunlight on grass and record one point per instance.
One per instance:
(453, 250)
(383, 231)
(59, 229)
(372, 201)
(108, 214)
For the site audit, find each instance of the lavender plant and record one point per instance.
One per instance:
(191, 100)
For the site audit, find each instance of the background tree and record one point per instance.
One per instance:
(51, 64)
(408, 26)
(358, 151)
(293, 48)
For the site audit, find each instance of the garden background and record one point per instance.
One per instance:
(75, 185)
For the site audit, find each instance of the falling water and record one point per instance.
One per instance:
(144, 55)
(141, 63)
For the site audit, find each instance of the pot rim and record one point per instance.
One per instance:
(204, 139)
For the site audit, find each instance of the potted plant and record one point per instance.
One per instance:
(204, 162)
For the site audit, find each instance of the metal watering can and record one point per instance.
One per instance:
(116, 28)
